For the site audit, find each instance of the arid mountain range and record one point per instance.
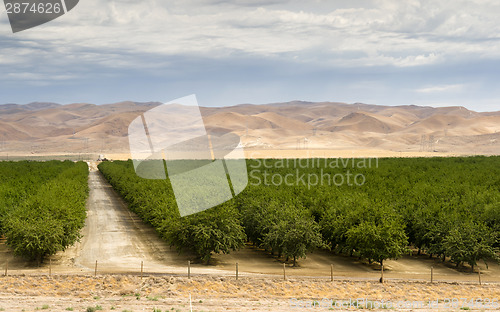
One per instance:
(45, 128)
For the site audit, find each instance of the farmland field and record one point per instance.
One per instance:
(42, 207)
(368, 209)
(454, 193)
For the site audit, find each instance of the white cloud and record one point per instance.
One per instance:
(441, 88)
(128, 34)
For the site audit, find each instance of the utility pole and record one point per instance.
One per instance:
(431, 143)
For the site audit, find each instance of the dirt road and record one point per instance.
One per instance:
(114, 236)
(117, 238)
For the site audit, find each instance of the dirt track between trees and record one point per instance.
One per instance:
(116, 237)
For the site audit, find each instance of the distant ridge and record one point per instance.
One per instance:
(44, 127)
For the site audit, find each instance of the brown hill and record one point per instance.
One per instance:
(361, 122)
(280, 121)
(83, 127)
(235, 121)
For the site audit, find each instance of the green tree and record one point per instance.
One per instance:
(51, 211)
(470, 242)
(385, 240)
(217, 230)
(300, 237)
(34, 236)
(491, 217)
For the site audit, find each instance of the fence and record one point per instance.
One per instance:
(333, 275)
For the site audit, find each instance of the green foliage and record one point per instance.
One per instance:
(93, 309)
(373, 232)
(403, 202)
(217, 230)
(418, 202)
(378, 240)
(469, 242)
(279, 222)
(48, 211)
(491, 218)
(294, 238)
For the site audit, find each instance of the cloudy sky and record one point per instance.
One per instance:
(391, 52)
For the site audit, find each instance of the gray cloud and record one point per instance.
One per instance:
(392, 33)
(183, 39)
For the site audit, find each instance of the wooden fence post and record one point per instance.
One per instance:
(6, 268)
(95, 270)
(382, 273)
(142, 268)
(284, 272)
(189, 269)
(432, 274)
(479, 274)
(236, 270)
(50, 267)
(331, 272)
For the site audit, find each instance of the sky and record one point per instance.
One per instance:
(386, 52)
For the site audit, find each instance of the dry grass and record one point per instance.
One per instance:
(211, 293)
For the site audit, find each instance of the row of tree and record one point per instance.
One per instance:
(217, 230)
(447, 207)
(43, 206)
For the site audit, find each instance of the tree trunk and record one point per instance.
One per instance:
(381, 280)
(294, 261)
(419, 251)
(472, 268)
